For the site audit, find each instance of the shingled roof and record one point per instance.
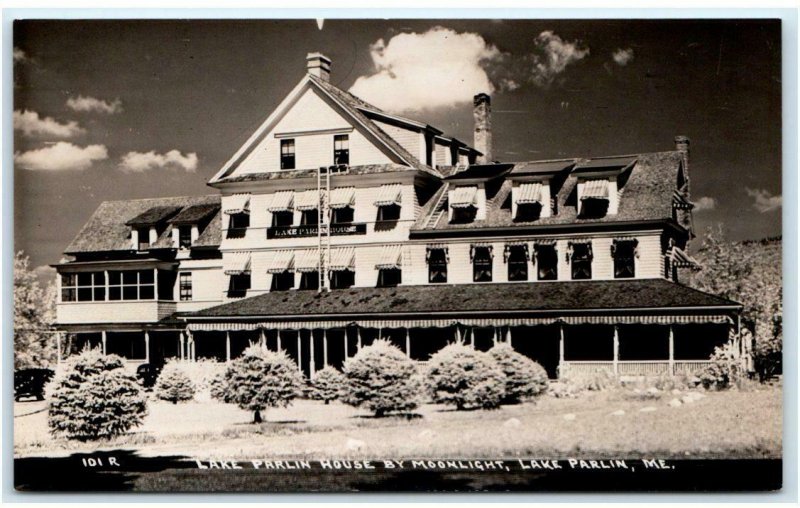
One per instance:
(365, 169)
(646, 195)
(194, 214)
(108, 228)
(600, 296)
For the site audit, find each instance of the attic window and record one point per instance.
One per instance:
(287, 154)
(184, 237)
(594, 198)
(341, 149)
(144, 238)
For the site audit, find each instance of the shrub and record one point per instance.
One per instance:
(260, 379)
(463, 376)
(174, 385)
(724, 370)
(524, 377)
(205, 373)
(596, 381)
(382, 379)
(327, 385)
(95, 398)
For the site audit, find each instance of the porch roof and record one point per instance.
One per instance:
(598, 297)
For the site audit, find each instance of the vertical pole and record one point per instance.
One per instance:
(262, 339)
(278, 334)
(671, 351)
(380, 333)
(311, 357)
(458, 335)
(508, 336)
(358, 331)
(560, 344)
(346, 345)
(616, 350)
(408, 342)
(494, 335)
(190, 346)
(325, 347)
(181, 345)
(104, 341)
(227, 346)
(299, 352)
(146, 346)
(58, 346)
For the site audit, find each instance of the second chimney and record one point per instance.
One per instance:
(482, 114)
(319, 65)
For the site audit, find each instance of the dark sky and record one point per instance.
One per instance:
(203, 86)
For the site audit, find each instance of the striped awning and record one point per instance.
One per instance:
(236, 263)
(281, 201)
(343, 258)
(306, 200)
(595, 189)
(391, 257)
(342, 197)
(528, 193)
(683, 260)
(464, 196)
(389, 194)
(307, 260)
(281, 262)
(237, 203)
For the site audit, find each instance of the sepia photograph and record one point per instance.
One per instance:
(396, 255)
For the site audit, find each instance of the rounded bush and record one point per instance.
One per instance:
(724, 369)
(382, 379)
(260, 379)
(524, 377)
(327, 385)
(94, 397)
(174, 385)
(465, 377)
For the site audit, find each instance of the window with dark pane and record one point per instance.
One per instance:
(581, 261)
(624, 259)
(238, 285)
(342, 279)
(389, 277)
(342, 215)
(437, 266)
(482, 264)
(546, 262)
(185, 286)
(283, 218)
(283, 281)
(517, 263)
(309, 280)
(341, 149)
(287, 154)
(185, 237)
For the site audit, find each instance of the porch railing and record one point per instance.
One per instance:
(634, 367)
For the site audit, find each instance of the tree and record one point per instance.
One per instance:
(327, 385)
(750, 273)
(260, 379)
(174, 385)
(95, 398)
(34, 314)
(524, 377)
(465, 377)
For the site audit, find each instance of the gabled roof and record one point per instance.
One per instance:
(571, 296)
(481, 172)
(194, 214)
(605, 163)
(108, 230)
(153, 216)
(366, 169)
(542, 167)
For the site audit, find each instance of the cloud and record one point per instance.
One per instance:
(138, 162)
(90, 104)
(417, 71)
(46, 274)
(705, 203)
(61, 156)
(31, 124)
(20, 55)
(553, 56)
(764, 200)
(622, 57)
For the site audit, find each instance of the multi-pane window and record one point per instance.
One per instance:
(581, 261)
(546, 262)
(341, 149)
(185, 237)
(437, 266)
(481, 264)
(309, 217)
(238, 224)
(342, 279)
(517, 259)
(185, 286)
(342, 215)
(283, 218)
(309, 280)
(389, 277)
(144, 238)
(287, 154)
(131, 285)
(283, 281)
(83, 287)
(624, 253)
(238, 285)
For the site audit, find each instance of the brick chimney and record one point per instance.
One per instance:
(482, 115)
(682, 145)
(319, 65)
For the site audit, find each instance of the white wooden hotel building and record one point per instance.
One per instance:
(574, 261)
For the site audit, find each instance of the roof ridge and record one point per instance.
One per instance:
(155, 199)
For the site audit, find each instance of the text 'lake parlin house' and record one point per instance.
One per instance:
(337, 223)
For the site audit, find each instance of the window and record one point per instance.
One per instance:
(437, 266)
(624, 253)
(341, 149)
(342, 215)
(389, 213)
(517, 259)
(283, 281)
(546, 262)
(342, 279)
(309, 280)
(464, 215)
(309, 217)
(528, 212)
(131, 285)
(185, 237)
(238, 285)
(83, 287)
(238, 224)
(185, 286)
(581, 261)
(287, 154)
(389, 277)
(482, 264)
(283, 218)
(144, 238)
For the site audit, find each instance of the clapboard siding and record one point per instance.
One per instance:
(408, 139)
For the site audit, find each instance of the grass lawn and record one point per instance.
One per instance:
(739, 424)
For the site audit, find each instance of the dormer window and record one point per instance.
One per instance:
(144, 238)
(184, 237)
(341, 149)
(528, 199)
(287, 154)
(580, 257)
(594, 198)
(463, 204)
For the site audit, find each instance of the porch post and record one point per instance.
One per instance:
(346, 352)
(408, 342)
(227, 346)
(263, 339)
(146, 346)
(616, 349)
(508, 336)
(190, 347)
(104, 341)
(278, 334)
(494, 335)
(560, 344)
(324, 347)
(299, 352)
(358, 331)
(671, 351)
(311, 356)
(58, 346)
(181, 345)
(380, 333)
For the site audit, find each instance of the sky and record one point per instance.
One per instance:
(120, 109)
